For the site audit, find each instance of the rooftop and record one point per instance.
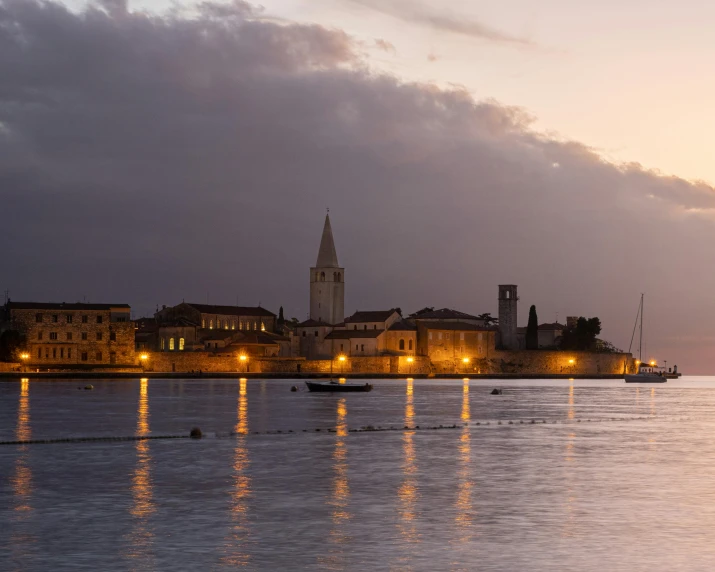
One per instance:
(232, 310)
(314, 324)
(370, 316)
(64, 306)
(443, 314)
(460, 326)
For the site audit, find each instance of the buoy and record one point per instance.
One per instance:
(89, 386)
(293, 388)
(196, 433)
(496, 391)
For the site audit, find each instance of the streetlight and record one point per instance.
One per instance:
(244, 360)
(24, 356)
(143, 358)
(410, 359)
(341, 359)
(571, 363)
(465, 361)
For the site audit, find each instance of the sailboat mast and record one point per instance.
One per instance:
(640, 341)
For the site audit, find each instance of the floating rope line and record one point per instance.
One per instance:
(365, 429)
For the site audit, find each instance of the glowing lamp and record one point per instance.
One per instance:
(144, 357)
(465, 360)
(341, 358)
(242, 357)
(410, 360)
(652, 362)
(24, 355)
(571, 362)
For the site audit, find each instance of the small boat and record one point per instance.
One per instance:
(647, 372)
(334, 386)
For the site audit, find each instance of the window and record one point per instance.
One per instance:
(54, 353)
(163, 344)
(62, 352)
(356, 347)
(99, 336)
(203, 322)
(461, 336)
(364, 327)
(211, 324)
(303, 333)
(402, 344)
(341, 347)
(85, 319)
(121, 319)
(69, 336)
(47, 353)
(84, 356)
(218, 323)
(55, 318)
(171, 344)
(69, 318)
(410, 345)
(233, 324)
(255, 325)
(181, 344)
(374, 326)
(322, 276)
(53, 335)
(99, 319)
(430, 335)
(355, 327)
(263, 327)
(225, 325)
(439, 335)
(240, 325)
(39, 335)
(38, 318)
(84, 336)
(112, 336)
(69, 353)
(39, 353)
(99, 356)
(362, 347)
(316, 333)
(480, 349)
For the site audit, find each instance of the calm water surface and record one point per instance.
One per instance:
(620, 477)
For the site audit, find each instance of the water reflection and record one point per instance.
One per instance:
(142, 537)
(340, 497)
(407, 493)
(569, 509)
(571, 413)
(463, 519)
(21, 480)
(239, 533)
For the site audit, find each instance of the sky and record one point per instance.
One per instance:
(152, 153)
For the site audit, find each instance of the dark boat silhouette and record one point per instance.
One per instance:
(334, 386)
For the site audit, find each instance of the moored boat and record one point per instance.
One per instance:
(647, 372)
(334, 386)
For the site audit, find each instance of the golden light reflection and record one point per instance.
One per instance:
(142, 536)
(652, 400)
(238, 539)
(463, 519)
(569, 506)
(407, 493)
(340, 496)
(22, 479)
(571, 413)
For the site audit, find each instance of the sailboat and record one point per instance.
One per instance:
(647, 372)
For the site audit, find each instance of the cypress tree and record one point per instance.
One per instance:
(281, 319)
(532, 330)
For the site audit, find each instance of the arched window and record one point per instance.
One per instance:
(263, 327)
(255, 325)
(218, 323)
(233, 324)
(171, 344)
(211, 324)
(240, 325)
(181, 344)
(410, 344)
(340, 277)
(203, 322)
(322, 276)
(163, 344)
(225, 325)
(402, 344)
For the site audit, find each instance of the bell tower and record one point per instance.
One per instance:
(327, 282)
(508, 300)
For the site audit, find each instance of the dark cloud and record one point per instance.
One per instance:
(148, 159)
(415, 12)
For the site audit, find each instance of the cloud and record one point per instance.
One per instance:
(148, 158)
(385, 46)
(417, 13)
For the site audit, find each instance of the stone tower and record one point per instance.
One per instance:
(327, 282)
(507, 316)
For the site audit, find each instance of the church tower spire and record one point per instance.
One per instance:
(327, 281)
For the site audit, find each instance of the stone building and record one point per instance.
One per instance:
(72, 335)
(455, 341)
(327, 282)
(508, 300)
(235, 329)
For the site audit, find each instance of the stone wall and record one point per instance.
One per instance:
(544, 362)
(5, 366)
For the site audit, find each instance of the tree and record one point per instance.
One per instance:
(11, 345)
(582, 336)
(488, 319)
(532, 330)
(281, 319)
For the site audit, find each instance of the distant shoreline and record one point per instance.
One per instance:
(49, 376)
